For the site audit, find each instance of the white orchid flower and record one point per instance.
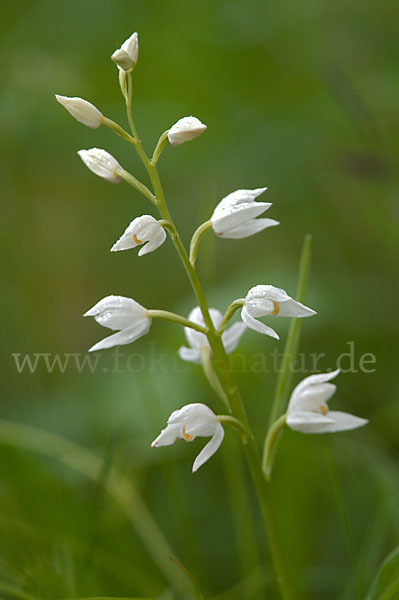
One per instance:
(83, 111)
(235, 215)
(127, 55)
(184, 130)
(189, 422)
(267, 300)
(198, 340)
(142, 230)
(101, 163)
(308, 411)
(123, 314)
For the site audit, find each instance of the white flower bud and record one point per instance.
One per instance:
(127, 55)
(102, 163)
(82, 110)
(184, 130)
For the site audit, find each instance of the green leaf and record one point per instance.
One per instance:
(386, 583)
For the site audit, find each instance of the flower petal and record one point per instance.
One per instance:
(126, 336)
(308, 422)
(117, 312)
(168, 436)
(248, 228)
(311, 398)
(316, 379)
(156, 241)
(257, 325)
(209, 450)
(236, 208)
(232, 335)
(192, 355)
(292, 308)
(343, 421)
(196, 339)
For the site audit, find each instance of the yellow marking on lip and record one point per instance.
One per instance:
(324, 409)
(276, 309)
(136, 239)
(187, 437)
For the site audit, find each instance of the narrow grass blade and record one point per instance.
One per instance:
(118, 487)
(291, 346)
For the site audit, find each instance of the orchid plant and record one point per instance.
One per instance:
(208, 336)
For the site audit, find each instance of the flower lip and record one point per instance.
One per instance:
(189, 422)
(308, 411)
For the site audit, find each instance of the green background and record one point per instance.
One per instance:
(297, 96)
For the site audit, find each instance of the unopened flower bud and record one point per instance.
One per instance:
(184, 130)
(102, 163)
(82, 110)
(127, 55)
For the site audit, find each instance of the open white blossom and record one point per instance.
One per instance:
(198, 340)
(142, 230)
(127, 55)
(308, 411)
(101, 163)
(267, 300)
(184, 130)
(235, 215)
(189, 422)
(123, 314)
(83, 111)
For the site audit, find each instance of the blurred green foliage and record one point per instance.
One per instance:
(298, 96)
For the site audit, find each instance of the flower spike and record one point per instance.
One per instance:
(235, 215)
(198, 340)
(267, 300)
(308, 411)
(123, 314)
(189, 422)
(142, 230)
(101, 163)
(184, 130)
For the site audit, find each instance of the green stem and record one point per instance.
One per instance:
(168, 226)
(226, 375)
(195, 240)
(230, 312)
(131, 179)
(118, 487)
(159, 147)
(212, 377)
(118, 129)
(292, 343)
(174, 318)
(233, 422)
(271, 439)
